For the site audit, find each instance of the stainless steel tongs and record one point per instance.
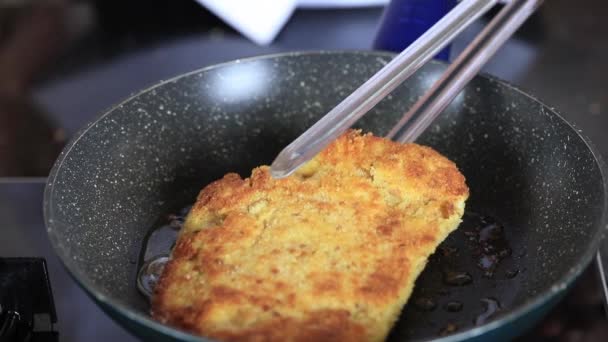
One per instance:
(429, 106)
(420, 116)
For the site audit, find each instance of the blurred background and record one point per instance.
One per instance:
(63, 62)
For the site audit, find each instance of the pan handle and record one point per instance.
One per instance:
(601, 260)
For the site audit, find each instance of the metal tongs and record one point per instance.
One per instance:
(422, 114)
(429, 106)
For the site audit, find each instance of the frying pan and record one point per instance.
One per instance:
(529, 172)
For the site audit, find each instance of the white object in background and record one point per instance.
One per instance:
(340, 3)
(262, 20)
(259, 20)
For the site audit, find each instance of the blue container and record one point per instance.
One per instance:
(404, 21)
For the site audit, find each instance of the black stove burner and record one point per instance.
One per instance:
(27, 311)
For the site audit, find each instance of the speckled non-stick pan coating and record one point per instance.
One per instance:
(525, 166)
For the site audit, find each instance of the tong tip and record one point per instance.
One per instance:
(285, 163)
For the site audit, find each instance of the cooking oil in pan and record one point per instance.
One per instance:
(449, 328)
(149, 274)
(480, 239)
(456, 278)
(156, 250)
(453, 306)
(491, 306)
(471, 277)
(425, 304)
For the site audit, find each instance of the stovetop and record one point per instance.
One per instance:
(27, 309)
(75, 317)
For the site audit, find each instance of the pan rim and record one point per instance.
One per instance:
(534, 303)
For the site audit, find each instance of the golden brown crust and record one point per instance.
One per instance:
(329, 253)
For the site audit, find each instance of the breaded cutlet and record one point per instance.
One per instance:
(330, 253)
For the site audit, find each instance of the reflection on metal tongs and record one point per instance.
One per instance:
(417, 119)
